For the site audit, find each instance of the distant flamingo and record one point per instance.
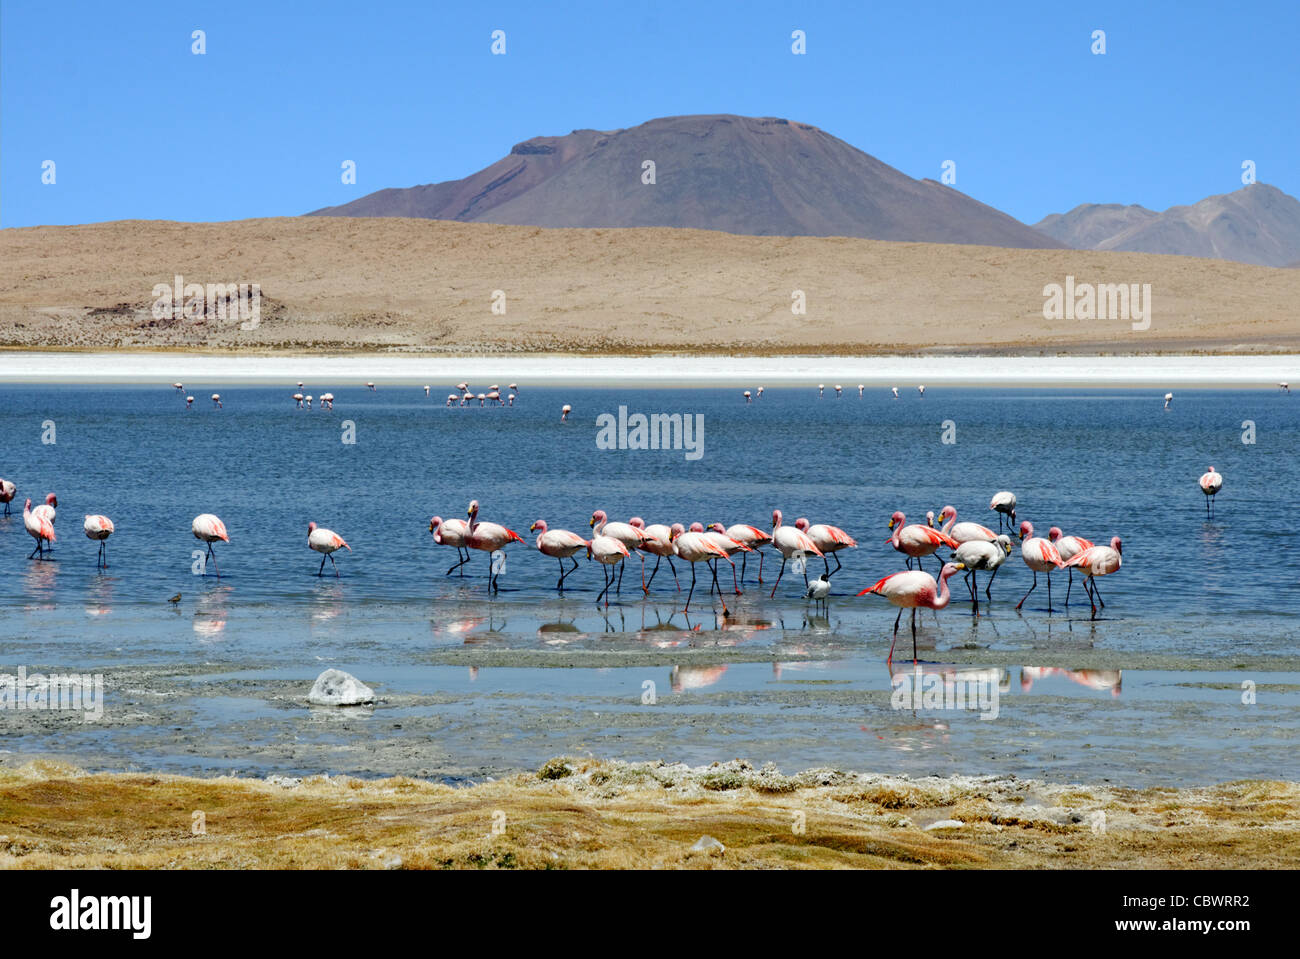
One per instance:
(1041, 557)
(370, 387)
(1211, 483)
(759, 391)
(7, 493)
(99, 528)
(40, 529)
(1066, 547)
(839, 391)
(209, 529)
(964, 532)
(559, 543)
(789, 541)
(607, 551)
(914, 590)
(1097, 561)
(821, 390)
(565, 410)
(467, 399)
(921, 390)
(328, 542)
(1169, 398)
(748, 398)
(510, 400)
(488, 537)
(1004, 504)
(914, 540)
(658, 542)
(829, 539)
(861, 387)
(189, 402)
(216, 400)
(894, 390)
(694, 548)
(451, 532)
(426, 392)
(452, 398)
(297, 398)
(179, 387)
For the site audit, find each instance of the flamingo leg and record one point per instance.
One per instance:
(778, 576)
(744, 565)
(674, 569)
(213, 554)
(643, 585)
(646, 587)
(989, 584)
(1069, 586)
(714, 566)
(733, 579)
(913, 636)
(1049, 592)
(692, 592)
(605, 571)
(1096, 592)
(838, 566)
(760, 567)
(321, 571)
(898, 619)
(619, 590)
(333, 564)
(1031, 589)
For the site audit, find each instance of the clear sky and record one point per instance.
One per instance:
(140, 127)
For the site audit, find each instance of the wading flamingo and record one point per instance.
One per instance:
(658, 542)
(963, 532)
(789, 541)
(694, 548)
(914, 590)
(209, 529)
(328, 542)
(978, 554)
(1066, 547)
(559, 543)
(1004, 504)
(99, 528)
(40, 529)
(1041, 557)
(565, 410)
(755, 539)
(1211, 483)
(718, 533)
(625, 533)
(216, 400)
(7, 493)
(829, 539)
(1097, 561)
(297, 398)
(488, 537)
(914, 540)
(47, 509)
(189, 402)
(894, 390)
(748, 397)
(607, 551)
(1169, 398)
(451, 532)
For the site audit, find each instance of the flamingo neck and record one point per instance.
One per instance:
(945, 595)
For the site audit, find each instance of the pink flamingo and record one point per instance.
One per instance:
(755, 539)
(559, 543)
(451, 532)
(208, 529)
(1097, 561)
(695, 547)
(658, 542)
(1040, 556)
(829, 539)
(99, 528)
(1004, 504)
(216, 400)
(748, 397)
(1066, 547)
(789, 541)
(565, 410)
(297, 398)
(718, 533)
(7, 493)
(915, 540)
(607, 551)
(328, 542)
(189, 402)
(40, 529)
(625, 533)
(1211, 483)
(452, 398)
(914, 589)
(963, 532)
(488, 537)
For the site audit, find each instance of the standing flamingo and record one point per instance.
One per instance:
(559, 543)
(914, 590)
(209, 529)
(607, 551)
(40, 529)
(1041, 557)
(1097, 561)
(47, 509)
(189, 402)
(964, 532)
(7, 493)
(748, 397)
(565, 410)
(718, 533)
(99, 528)
(1169, 398)
(755, 539)
(914, 540)
(789, 541)
(1211, 483)
(829, 539)
(839, 391)
(694, 548)
(1066, 547)
(297, 398)
(451, 532)
(861, 388)
(894, 390)
(1004, 504)
(625, 533)
(658, 542)
(216, 400)
(488, 537)
(328, 542)
(977, 554)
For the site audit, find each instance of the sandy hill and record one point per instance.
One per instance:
(749, 175)
(410, 284)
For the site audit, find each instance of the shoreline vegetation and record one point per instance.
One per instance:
(588, 813)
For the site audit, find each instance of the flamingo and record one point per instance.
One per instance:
(696, 547)
(179, 387)
(718, 533)
(659, 542)
(1041, 557)
(839, 391)
(789, 541)
(829, 539)
(748, 398)
(462, 387)
(1169, 398)
(451, 532)
(99, 528)
(47, 509)
(894, 390)
(819, 590)
(964, 532)
(1211, 483)
(1285, 387)
(209, 529)
(565, 410)
(426, 392)
(494, 396)
(755, 539)
(467, 399)
(40, 529)
(759, 392)
(370, 387)
(821, 390)
(309, 399)
(488, 537)
(1097, 561)
(1004, 504)
(297, 398)
(625, 533)
(189, 402)
(977, 554)
(452, 398)
(7, 493)
(513, 387)
(915, 540)
(607, 551)
(216, 400)
(914, 589)
(861, 387)
(510, 400)
(327, 402)
(560, 543)
(1066, 547)
(328, 542)
(481, 398)
(921, 390)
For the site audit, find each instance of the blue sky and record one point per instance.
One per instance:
(139, 127)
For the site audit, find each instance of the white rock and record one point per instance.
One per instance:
(945, 824)
(337, 688)
(710, 845)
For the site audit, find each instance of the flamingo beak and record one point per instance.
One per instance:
(592, 524)
(532, 528)
(430, 527)
(891, 524)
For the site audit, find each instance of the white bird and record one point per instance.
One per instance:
(977, 554)
(921, 389)
(1041, 557)
(819, 589)
(1169, 398)
(209, 529)
(607, 551)
(788, 540)
(99, 528)
(894, 390)
(1004, 504)
(39, 528)
(1098, 561)
(1211, 482)
(325, 541)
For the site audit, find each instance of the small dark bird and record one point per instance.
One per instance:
(175, 599)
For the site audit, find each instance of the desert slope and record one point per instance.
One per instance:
(332, 283)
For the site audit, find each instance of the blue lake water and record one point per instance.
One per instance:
(1211, 592)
